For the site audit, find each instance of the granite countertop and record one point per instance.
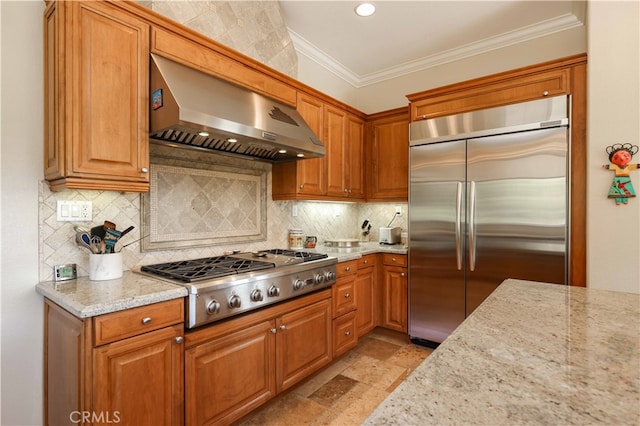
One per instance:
(84, 298)
(532, 353)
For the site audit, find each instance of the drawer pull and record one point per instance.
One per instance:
(393, 259)
(347, 295)
(347, 333)
(146, 320)
(402, 274)
(348, 268)
(273, 330)
(366, 261)
(179, 339)
(545, 93)
(283, 327)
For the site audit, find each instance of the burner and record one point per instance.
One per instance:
(188, 271)
(304, 255)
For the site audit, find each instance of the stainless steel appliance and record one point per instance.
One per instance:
(224, 286)
(191, 109)
(487, 201)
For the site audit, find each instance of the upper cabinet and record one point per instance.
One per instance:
(387, 164)
(337, 176)
(96, 102)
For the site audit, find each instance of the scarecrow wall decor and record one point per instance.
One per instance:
(619, 157)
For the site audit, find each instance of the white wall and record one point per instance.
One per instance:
(613, 232)
(22, 169)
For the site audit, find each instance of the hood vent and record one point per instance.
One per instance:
(192, 109)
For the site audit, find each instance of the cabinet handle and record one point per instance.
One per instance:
(393, 259)
(283, 327)
(146, 320)
(302, 186)
(273, 330)
(545, 93)
(402, 274)
(366, 261)
(144, 170)
(179, 339)
(347, 269)
(346, 190)
(347, 333)
(347, 295)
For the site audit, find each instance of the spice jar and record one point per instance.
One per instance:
(296, 239)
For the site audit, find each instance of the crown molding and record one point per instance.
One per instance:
(561, 23)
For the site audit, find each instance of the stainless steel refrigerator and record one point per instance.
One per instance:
(488, 200)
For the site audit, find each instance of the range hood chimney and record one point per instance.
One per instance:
(192, 109)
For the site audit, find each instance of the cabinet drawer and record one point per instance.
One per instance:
(343, 297)
(346, 268)
(367, 261)
(344, 333)
(394, 259)
(119, 325)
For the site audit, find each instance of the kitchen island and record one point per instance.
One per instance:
(532, 353)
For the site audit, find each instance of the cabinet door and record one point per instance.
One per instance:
(303, 343)
(310, 172)
(139, 381)
(228, 377)
(109, 83)
(335, 143)
(354, 167)
(394, 302)
(389, 167)
(364, 298)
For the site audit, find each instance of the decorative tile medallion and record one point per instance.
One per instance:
(188, 207)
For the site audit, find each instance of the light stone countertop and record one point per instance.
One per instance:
(84, 298)
(532, 353)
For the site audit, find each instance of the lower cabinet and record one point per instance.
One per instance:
(233, 367)
(345, 335)
(365, 291)
(394, 294)
(123, 367)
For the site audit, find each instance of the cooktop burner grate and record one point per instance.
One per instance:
(188, 271)
(305, 255)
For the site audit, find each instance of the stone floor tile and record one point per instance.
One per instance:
(410, 356)
(376, 348)
(374, 372)
(333, 390)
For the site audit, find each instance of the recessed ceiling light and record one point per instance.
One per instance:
(300, 155)
(282, 151)
(232, 140)
(365, 9)
(203, 134)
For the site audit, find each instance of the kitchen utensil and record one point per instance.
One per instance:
(109, 225)
(79, 228)
(98, 231)
(85, 240)
(111, 237)
(310, 241)
(132, 242)
(126, 231)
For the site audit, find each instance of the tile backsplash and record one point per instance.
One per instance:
(326, 220)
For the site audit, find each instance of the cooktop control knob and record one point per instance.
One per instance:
(273, 291)
(318, 279)
(298, 284)
(213, 307)
(234, 301)
(330, 276)
(257, 296)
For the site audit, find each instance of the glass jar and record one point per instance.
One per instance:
(296, 239)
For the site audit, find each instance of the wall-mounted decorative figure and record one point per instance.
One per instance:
(620, 156)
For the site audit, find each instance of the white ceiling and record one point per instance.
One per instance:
(407, 36)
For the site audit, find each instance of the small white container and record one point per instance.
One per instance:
(105, 266)
(296, 239)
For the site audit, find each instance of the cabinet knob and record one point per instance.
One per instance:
(347, 295)
(366, 261)
(144, 170)
(347, 333)
(179, 339)
(273, 330)
(346, 190)
(302, 186)
(402, 274)
(393, 259)
(347, 268)
(283, 327)
(545, 93)
(146, 320)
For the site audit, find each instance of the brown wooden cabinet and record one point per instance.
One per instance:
(365, 291)
(345, 335)
(96, 97)
(237, 365)
(394, 294)
(132, 380)
(387, 161)
(564, 76)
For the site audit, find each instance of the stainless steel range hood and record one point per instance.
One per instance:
(196, 110)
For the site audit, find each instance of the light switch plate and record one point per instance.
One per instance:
(74, 211)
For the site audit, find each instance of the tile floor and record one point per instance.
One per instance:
(349, 389)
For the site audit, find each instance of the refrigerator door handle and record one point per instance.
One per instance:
(458, 225)
(472, 226)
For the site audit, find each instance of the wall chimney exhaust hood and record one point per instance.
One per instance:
(192, 109)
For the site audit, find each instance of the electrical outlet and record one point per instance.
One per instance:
(74, 211)
(399, 210)
(294, 210)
